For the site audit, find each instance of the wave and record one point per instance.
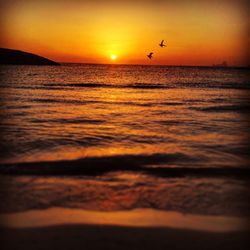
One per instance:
(167, 85)
(149, 164)
(108, 85)
(65, 101)
(68, 121)
(85, 102)
(224, 108)
(222, 85)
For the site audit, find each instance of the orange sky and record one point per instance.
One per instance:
(197, 32)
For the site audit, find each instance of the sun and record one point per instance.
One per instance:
(113, 57)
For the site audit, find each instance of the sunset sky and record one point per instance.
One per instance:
(108, 31)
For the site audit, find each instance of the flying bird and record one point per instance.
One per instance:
(150, 55)
(162, 44)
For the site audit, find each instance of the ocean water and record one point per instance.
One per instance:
(124, 136)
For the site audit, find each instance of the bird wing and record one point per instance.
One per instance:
(162, 41)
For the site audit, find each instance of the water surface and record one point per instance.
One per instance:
(114, 132)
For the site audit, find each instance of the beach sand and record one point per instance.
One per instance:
(60, 228)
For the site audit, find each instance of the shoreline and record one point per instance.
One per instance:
(140, 217)
(60, 228)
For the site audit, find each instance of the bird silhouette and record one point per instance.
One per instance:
(162, 44)
(150, 55)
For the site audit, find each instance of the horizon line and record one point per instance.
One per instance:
(160, 65)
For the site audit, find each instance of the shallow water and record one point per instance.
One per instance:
(93, 120)
(125, 191)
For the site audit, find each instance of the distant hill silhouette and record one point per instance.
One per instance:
(17, 57)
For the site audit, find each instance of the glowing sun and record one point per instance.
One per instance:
(113, 57)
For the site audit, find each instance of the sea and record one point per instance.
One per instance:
(120, 137)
